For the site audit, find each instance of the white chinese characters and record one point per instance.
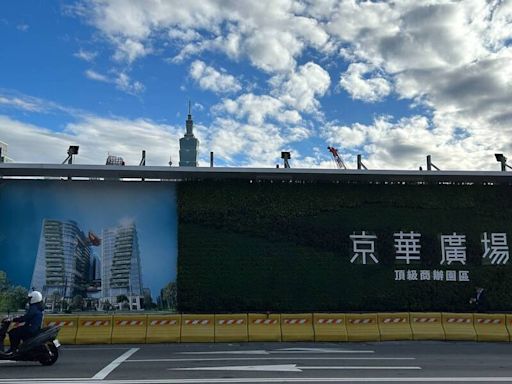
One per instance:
(364, 248)
(427, 275)
(453, 249)
(496, 248)
(407, 246)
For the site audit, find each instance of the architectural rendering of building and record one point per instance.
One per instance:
(120, 265)
(63, 259)
(189, 144)
(3, 153)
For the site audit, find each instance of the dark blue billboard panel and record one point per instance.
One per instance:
(94, 245)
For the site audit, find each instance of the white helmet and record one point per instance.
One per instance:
(35, 297)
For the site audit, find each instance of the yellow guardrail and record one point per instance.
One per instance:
(231, 328)
(264, 327)
(163, 329)
(129, 329)
(68, 326)
(94, 330)
(175, 328)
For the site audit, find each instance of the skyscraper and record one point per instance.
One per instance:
(189, 144)
(120, 265)
(63, 259)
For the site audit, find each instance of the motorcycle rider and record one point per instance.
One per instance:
(33, 318)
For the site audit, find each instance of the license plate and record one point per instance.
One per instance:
(56, 343)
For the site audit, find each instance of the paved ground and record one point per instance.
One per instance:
(272, 363)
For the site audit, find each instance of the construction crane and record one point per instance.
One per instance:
(337, 158)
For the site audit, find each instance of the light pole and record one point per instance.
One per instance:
(500, 158)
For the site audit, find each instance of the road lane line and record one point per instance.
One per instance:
(266, 358)
(285, 351)
(270, 380)
(69, 348)
(241, 352)
(318, 350)
(290, 368)
(114, 364)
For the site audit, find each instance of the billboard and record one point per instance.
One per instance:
(91, 245)
(292, 246)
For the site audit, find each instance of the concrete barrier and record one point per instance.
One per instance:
(163, 329)
(264, 327)
(508, 323)
(459, 326)
(68, 327)
(490, 327)
(394, 326)
(129, 329)
(427, 326)
(330, 327)
(94, 330)
(197, 328)
(231, 328)
(297, 327)
(362, 327)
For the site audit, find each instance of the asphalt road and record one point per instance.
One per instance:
(412, 362)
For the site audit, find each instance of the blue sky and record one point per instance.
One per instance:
(24, 205)
(392, 81)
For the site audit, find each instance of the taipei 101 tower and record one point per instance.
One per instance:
(189, 144)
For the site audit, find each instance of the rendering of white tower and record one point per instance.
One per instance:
(63, 259)
(120, 265)
(189, 144)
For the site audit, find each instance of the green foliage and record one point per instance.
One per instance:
(12, 298)
(77, 302)
(122, 299)
(169, 296)
(286, 247)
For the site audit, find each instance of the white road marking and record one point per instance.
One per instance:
(272, 380)
(114, 364)
(258, 352)
(266, 358)
(289, 368)
(68, 348)
(319, 350)
(284, 350)
(261, 368)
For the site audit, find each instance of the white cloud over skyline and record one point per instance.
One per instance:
(449, 62)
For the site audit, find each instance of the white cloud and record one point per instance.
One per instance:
(236, 143)
(270, 33)
(130, 50)
(184, 35)
(22, 27)
(210, 79)
(96, 137)
(20, 103)
(124, 83)
(93, 75)
(405, 143)
(257, 109)
(121, 80)
(30, 103)
(454, 58)
(359, 87)
(299, 89)
(88, 56)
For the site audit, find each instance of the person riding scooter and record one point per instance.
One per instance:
(33, 319)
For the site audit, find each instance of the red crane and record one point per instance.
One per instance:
(337, 158)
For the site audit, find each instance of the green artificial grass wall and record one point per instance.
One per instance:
(285, 247)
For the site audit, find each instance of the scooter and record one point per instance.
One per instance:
(43, 347)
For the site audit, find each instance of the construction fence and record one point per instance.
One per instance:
(175, 328)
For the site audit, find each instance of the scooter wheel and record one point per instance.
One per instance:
(51, 356)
